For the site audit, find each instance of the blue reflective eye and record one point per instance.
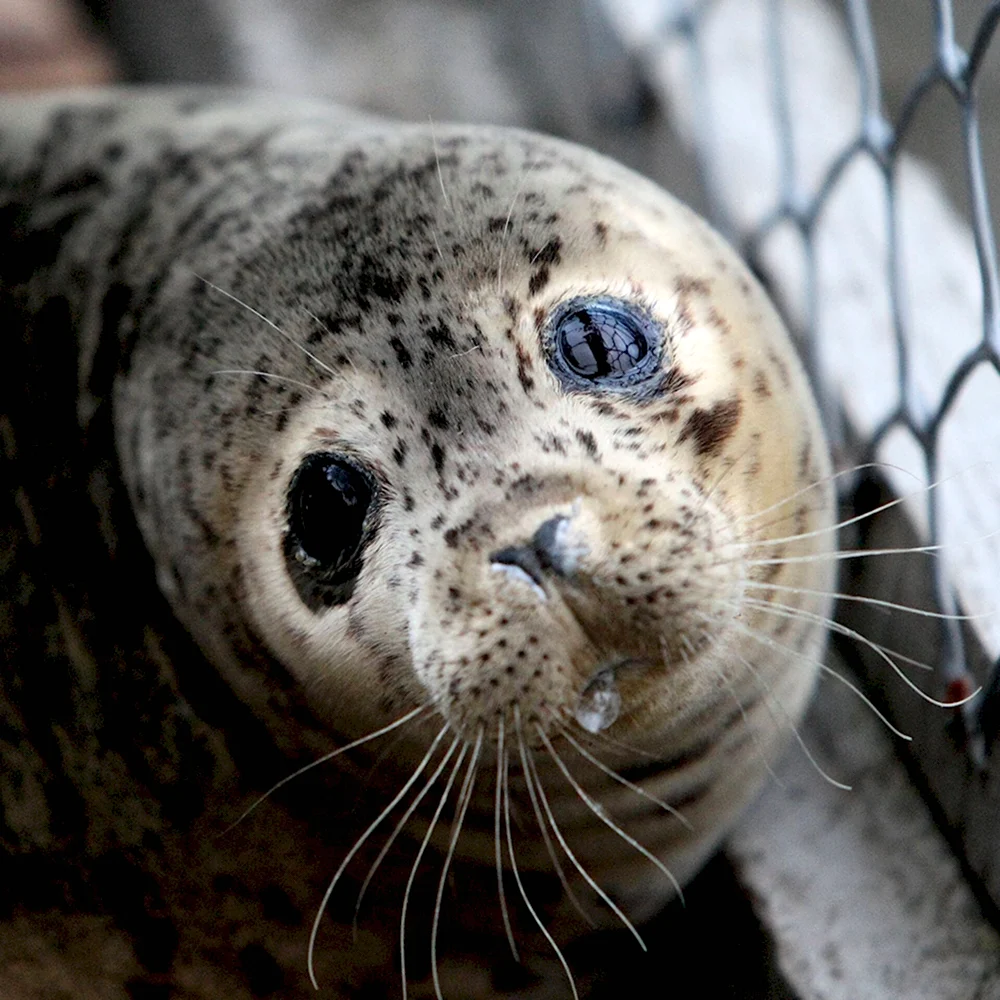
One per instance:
(603, 342)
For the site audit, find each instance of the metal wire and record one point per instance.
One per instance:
(880, 140)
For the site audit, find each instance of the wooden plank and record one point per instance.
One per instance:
(861, 892)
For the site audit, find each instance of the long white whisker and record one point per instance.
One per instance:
(825, 481)
(849, 521)
(464, 798)
(847, 554)
(794, 728)
(440, 173)
(360, 841)
(322, 760)
(860, 599)
(506, 229)
(274, 326)
(397, 829)
(787, 611)
(754, 734)
(529, 784)
(567, 720)
(611, 773)
(416, 861)
(527, 902)
(800, 613)
(501, 767)
(599, 813)
(774, 644)
(527, 761)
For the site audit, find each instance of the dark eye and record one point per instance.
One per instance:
(603, 343)
(330, 508)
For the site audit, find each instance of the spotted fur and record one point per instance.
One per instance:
(200, 290)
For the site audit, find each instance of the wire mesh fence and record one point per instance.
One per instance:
(894, 295)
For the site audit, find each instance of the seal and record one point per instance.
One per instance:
(463, 456)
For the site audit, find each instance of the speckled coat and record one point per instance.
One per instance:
(132, 229)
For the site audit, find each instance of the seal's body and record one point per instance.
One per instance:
(464, 427)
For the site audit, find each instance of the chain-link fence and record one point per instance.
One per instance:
(809, 165)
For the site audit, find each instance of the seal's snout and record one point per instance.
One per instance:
(594, 574)
(550, 552)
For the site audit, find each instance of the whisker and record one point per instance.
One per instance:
(773, 643)
(861, 599)
(754, 734)
(464, 798)
(596, 809)
(830, 623)
(399, 827)
(322, 760)
(528, 763)
(440, 173)
(506, 229)
(772, 698)
(845, 523)
(501, 768)
(826, 480)
(567, 720)
(803, 615)
(274, 326)
(527, 902)
(416, 861)
(323, 325)
(614, 775)
(542, 826)
(706, 495)
(847, 554)
(361, 840)
(270, 375)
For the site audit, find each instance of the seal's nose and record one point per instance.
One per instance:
(548, 552)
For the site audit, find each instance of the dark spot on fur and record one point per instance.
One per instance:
(760, 385)
(588, 441)
(805, 459)
(524, 365)
(687, 285)
(711, 428)
(781, 366)
(716, 319)
(440, 336)
(373, 281)
(538, 281)
(403, 356)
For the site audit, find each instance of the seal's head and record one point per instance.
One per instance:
(526, 442)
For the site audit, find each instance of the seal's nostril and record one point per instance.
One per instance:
(524, 558)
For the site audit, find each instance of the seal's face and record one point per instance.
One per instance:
(547, 400)
(524, 442)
